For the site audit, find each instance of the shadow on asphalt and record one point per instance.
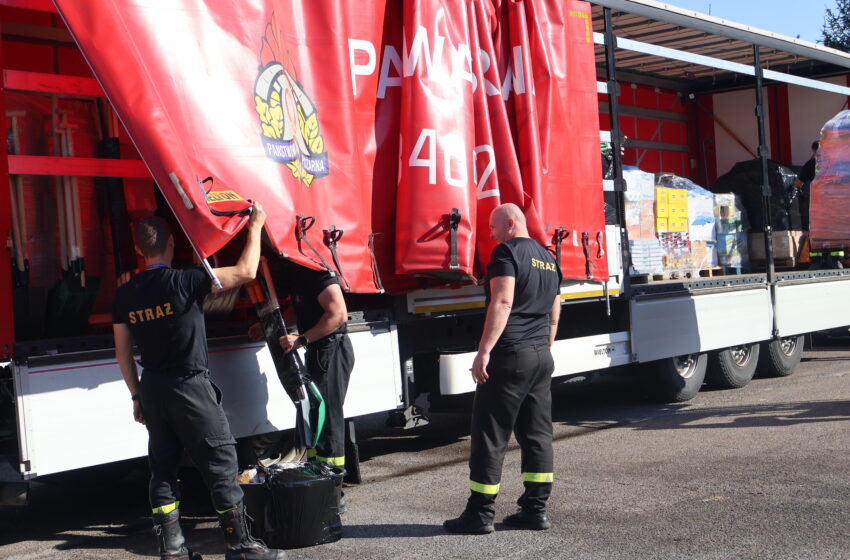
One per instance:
(752, 416)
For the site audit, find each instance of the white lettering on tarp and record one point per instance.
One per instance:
(420, 45)
(517, 77)
(355, 45)
(455, 160)
(391, 58)
(395, 66)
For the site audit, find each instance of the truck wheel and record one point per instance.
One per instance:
(732, 368)
(780, 357)
(680, 378)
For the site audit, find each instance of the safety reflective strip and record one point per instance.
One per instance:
(335, 461)
(484, 488)
(537, 477)
(220, 511)
(167, 508)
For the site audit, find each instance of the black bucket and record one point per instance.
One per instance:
(296, 505)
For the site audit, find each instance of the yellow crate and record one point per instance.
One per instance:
(661, 196)
(662, 211)
(676, 225)
(661, 224)
(677, 212)
(677, 197)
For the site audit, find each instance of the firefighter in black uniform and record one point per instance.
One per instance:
(321, 314)
(160, 310)
(513, 370)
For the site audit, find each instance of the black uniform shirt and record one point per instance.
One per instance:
(304, 286)
(807, 175)
(162, 307)
(538, 280)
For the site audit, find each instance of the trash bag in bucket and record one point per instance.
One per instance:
(295, 505)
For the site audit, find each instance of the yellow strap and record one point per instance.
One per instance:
(335, 461)
(221, 511)
(537, 477)
(311, 453)
(167, 508)
(484, 488)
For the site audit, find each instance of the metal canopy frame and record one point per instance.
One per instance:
(704, 54)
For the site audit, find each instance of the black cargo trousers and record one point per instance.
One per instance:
(330, 361)
(516, 398)
(184, 411)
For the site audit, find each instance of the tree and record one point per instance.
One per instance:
(836, 26)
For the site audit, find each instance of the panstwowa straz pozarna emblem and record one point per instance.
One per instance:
(290, 123)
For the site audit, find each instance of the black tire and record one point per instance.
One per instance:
(732, 368)
(780, 357)
(680, 378)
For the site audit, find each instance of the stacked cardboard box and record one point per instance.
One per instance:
(671, 210)
(731, 226)
(645, 249)
(830, 191)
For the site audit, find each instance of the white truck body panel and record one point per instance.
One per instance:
(79, 414)
(572, 355)
(803, 308)
(687, 324)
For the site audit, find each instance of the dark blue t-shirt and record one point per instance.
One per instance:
(537, 281)
(163, 308)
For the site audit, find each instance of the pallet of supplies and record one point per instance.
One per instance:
(830, 190)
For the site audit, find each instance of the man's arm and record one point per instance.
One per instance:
(127, 365)
(245, 268)
(501, 301)
(335, 314)
(554, 315)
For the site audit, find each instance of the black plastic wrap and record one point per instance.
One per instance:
(744, 179)
(295, 505)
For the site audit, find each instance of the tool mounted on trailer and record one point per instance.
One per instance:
(308, 401)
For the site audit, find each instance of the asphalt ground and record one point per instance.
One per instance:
(758, 472)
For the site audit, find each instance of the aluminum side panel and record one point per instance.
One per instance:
(572, 355)
(674, 326)
(804, 308)
(78, 415)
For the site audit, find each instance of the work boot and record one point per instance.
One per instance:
(532, 507)
(240, 544)
(477, 518)
(526, 519)
(169, 536)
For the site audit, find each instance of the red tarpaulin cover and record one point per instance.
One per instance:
(376, 118)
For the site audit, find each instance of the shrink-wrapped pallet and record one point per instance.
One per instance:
(639, 197)
(689, 239)
(731, 226)
(830, 192)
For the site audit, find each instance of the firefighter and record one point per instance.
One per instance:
(321, 315)
(160, 311)
(513, 369)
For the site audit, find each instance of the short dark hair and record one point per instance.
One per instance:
(152, 236)
(815, 145)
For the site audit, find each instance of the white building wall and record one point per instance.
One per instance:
(810, 109)
(736, 110)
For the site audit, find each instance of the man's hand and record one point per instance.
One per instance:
(255, 332)
(137, 412)
(258, 216)
(479, 367)
(289, 342)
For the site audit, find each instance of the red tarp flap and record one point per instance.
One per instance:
(375, 118)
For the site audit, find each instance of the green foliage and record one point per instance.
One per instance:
(836, 26)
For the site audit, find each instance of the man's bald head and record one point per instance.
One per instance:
(506, 222)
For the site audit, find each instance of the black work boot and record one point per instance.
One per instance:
(169, 536)
(240, 544)
(532, 507)
(477, 518)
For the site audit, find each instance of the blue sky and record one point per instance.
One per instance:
(788, 17)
